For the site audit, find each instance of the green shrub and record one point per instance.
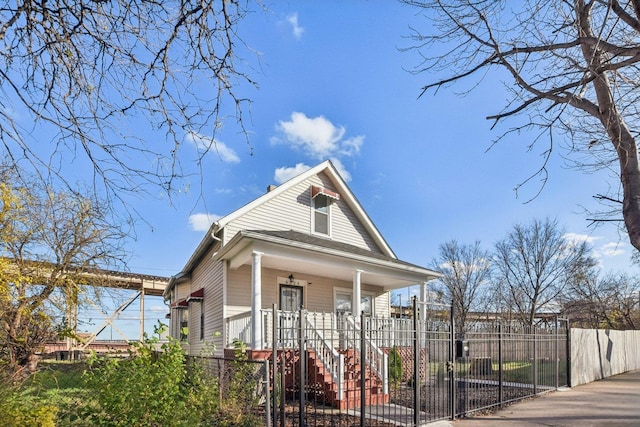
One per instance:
(395, 366)
(18, 409)
(148, 389)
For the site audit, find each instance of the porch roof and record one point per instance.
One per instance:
(304, 253)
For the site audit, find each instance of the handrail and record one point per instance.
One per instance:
(332, 360)
(374, 356)
(238, 327)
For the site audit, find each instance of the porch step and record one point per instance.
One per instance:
(320, 378)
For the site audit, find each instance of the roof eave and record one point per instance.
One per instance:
(234, 246)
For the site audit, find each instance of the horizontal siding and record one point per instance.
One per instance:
(183, 290)
(318, 292)
(238, 298)
(345, 226)
(209, 276)
(292, 210)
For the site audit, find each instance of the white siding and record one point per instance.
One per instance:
(318, 291)
(292, 210)
(208, 275)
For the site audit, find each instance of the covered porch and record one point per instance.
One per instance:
(308, 299)
(295, 271)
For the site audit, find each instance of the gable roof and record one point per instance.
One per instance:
(345, 194)
(332, 173)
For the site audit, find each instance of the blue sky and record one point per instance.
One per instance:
(334, 84)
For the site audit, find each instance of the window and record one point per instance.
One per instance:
(343, 303)
(183, 324)
(321, 200)
(201, 323)
(321, 214)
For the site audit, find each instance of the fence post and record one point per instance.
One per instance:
(535, 360)
(568, 361)
(363, 361)
(267, 383)
(452, 364)
(283, 385)
(416, 364)
(303, 364)
(274, 362)
(500, 363)
(556, 352)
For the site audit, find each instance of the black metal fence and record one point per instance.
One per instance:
(327, 370)
(382, 372)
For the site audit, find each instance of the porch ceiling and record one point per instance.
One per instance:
(300, 254)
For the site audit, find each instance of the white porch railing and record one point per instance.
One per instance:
(384, 332)
(326, 333)
(238, 327)
(332, 360)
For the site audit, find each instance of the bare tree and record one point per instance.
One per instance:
(466, 272)
(534, 265)
(48, 242)
(611, 301)
(99, 75)
(571, 68)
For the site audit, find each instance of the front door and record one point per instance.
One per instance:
(291, 297)
(290, 305)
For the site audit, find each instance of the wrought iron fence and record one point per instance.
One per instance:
(429, 373)
(327, 370)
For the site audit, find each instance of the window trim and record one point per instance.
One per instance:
(284, 281)
(363, 293)
(315, 211)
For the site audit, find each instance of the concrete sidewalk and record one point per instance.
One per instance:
(614, 401)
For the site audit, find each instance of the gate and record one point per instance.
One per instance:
(346, 371)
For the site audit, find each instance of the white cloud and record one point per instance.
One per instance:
(206, 144)
(317, 137)
(202, 221)
(352, 146)
(297, 29)
(579, 238)
(284, 174)
(611, 249)
(157, 309)
(344, 173)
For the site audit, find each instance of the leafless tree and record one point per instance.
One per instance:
(611, 301)
(466, 272)
(49, 241)
(99, 75)
(534, 265)
(571, 69)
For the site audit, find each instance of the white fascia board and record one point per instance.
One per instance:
(343, 189)
(273, 193)
(238, 253)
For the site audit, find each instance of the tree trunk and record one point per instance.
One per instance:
(623, 141)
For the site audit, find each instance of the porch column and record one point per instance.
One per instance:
(357, 295)
(256, 300)
(424, 292)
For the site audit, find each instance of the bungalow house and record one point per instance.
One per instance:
(307, 243)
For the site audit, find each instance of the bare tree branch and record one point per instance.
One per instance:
(573, 70)
(102, 77)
